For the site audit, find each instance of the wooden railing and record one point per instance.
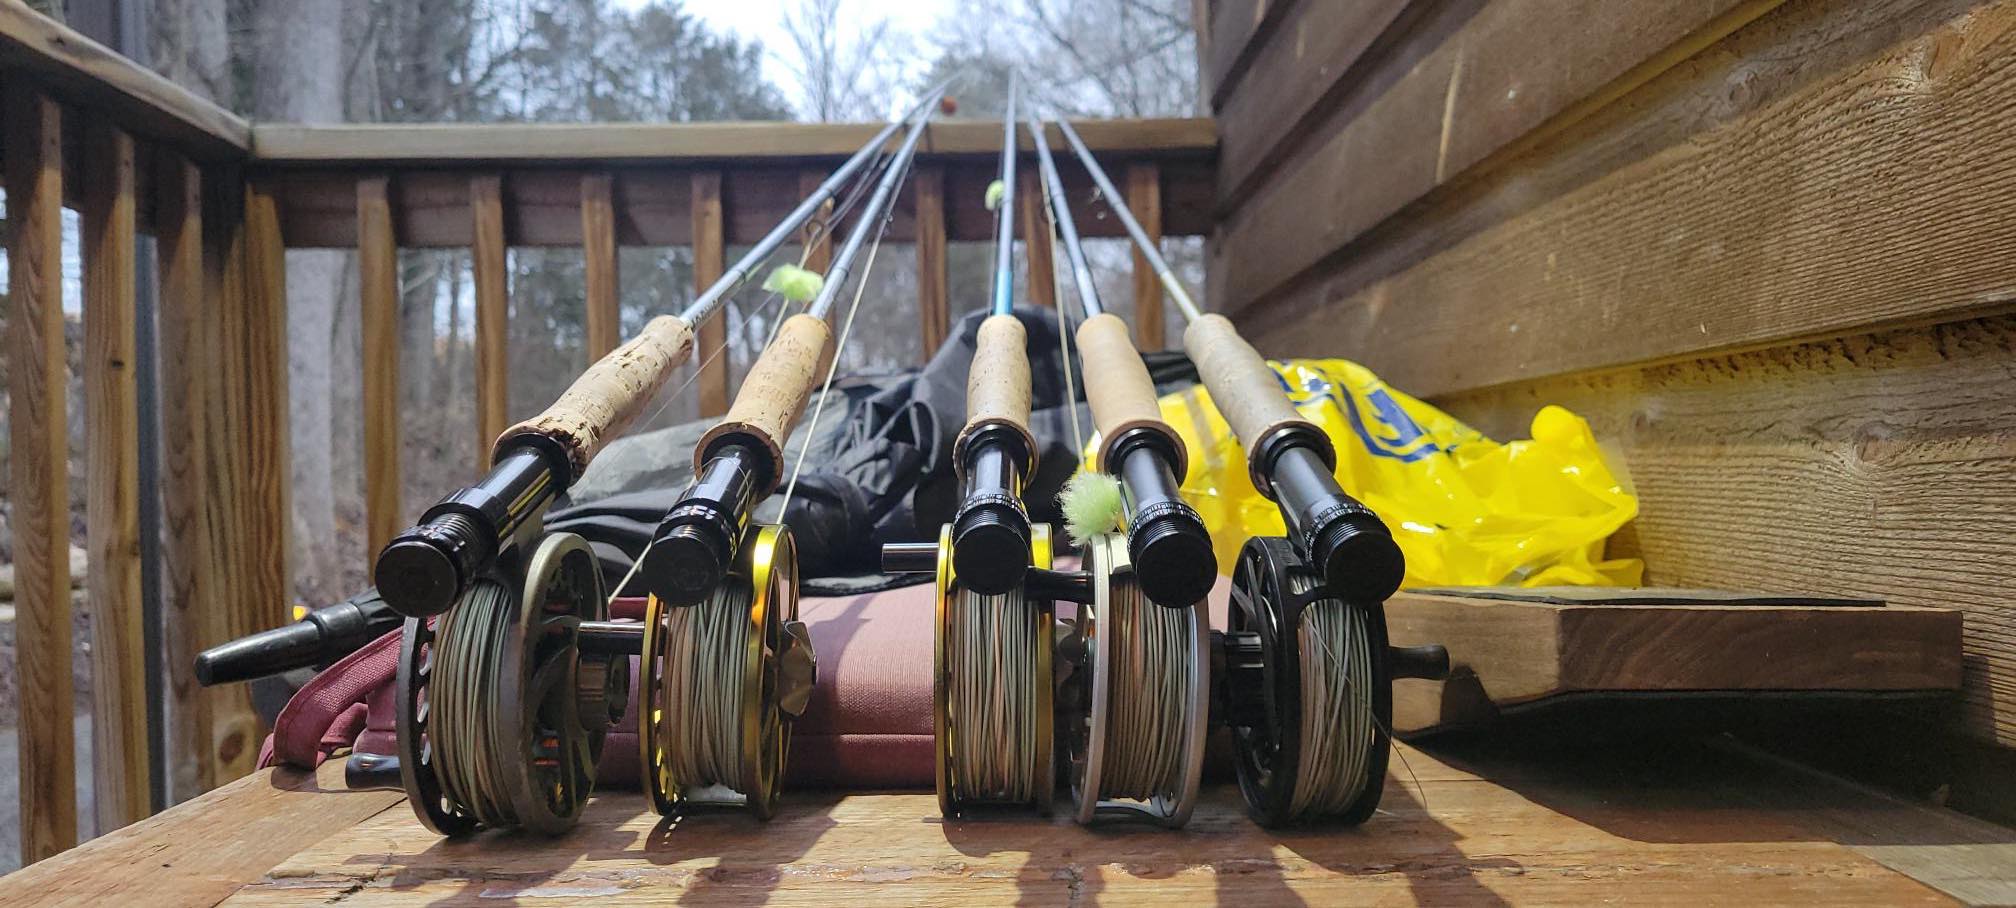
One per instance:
(223, 199)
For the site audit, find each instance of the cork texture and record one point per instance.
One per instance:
(774, 393)
(1118, 387)
(610, 395)
(1248, 393)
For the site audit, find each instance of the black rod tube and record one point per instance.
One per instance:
(324, 636)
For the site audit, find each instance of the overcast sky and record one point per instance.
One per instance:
(761, 20)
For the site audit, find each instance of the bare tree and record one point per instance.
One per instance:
(843, 72)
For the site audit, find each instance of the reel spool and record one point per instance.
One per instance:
(992, 690)
(723, 681)
(501, 715)
(1136, 737)
(1308, 685)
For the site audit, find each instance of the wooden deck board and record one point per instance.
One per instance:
(1505, 819)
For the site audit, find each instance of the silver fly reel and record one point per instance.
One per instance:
(501, 715)
(1138, 686)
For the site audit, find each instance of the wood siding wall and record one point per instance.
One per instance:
(1763, 246)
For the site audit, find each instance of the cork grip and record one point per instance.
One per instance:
(1119, 388)
(609, 395)
(1248, 393)
(774, 392)
(997, 386)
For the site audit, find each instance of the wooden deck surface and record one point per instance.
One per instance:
(1482, 822)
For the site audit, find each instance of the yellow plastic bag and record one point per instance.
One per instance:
(1466, 510)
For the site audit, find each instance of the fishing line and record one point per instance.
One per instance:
(469, 645)
(1337, 741)
(993, 702)
(702, 702)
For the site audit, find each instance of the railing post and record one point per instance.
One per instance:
(184, 314)
(378, 276)
(710, 251)
(269, 511)
(493, 312)
(39, 446)
(121, 769)
(1144, 198)
(600, 280)
(934, 302)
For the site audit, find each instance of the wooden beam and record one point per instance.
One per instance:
(269, 508)
(1505, 652)
(542, 206)
(378, 274)
(1444, 112)
(1878, 465)
(934, 297)
(1037, 242)
(709, 262)
(1238, 29)
(600, 277)
(91, 76)
(1313, 62)
(1739, 224)
(235, 468)
(740, 143)
(39, 448)
(493, 313)
(820, 257)
(1144, 198)
(121, 769)
(191, 568)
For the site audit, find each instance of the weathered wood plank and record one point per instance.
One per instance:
(542, 205)
(1237, 30)
(1144, 199)
(1506, 653)
(266, 436)
(378, 273)
(121, 767)
(1311, 63)
(83, 72)
(1513, 74)
(1038, 243)
(489, 262)
(710, 355)
(600, 272)
(39, 448)
(1878, 465)
(381, 145)
(1684, 825)
(199, 852)
(934, 297)
(236, 468)
(191, 569)
(1778, 213)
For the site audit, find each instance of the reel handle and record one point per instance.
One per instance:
(372, 772)
(324, 636)
(1428, 662)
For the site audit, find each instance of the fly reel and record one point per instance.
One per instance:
(1139, 683)
(991, 694)
(723, 681)
(501, 714)
(1309, 691)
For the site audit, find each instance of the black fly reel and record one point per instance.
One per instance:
(501, 713)
(1307, 689)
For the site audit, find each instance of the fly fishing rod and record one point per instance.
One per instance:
(994, 620)
(504, 699)
(1307, 678)
(1137, 698)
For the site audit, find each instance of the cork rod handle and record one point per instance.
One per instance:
(1248, 393)
(610, 395)
(774, 393)
(1120, 390)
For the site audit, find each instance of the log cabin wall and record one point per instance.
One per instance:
(1763, 246)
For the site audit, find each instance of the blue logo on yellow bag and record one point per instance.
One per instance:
(1398, 436)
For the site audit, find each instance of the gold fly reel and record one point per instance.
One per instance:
(992, 691)
(1136, 744)
(723, 681)
(501, 717)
